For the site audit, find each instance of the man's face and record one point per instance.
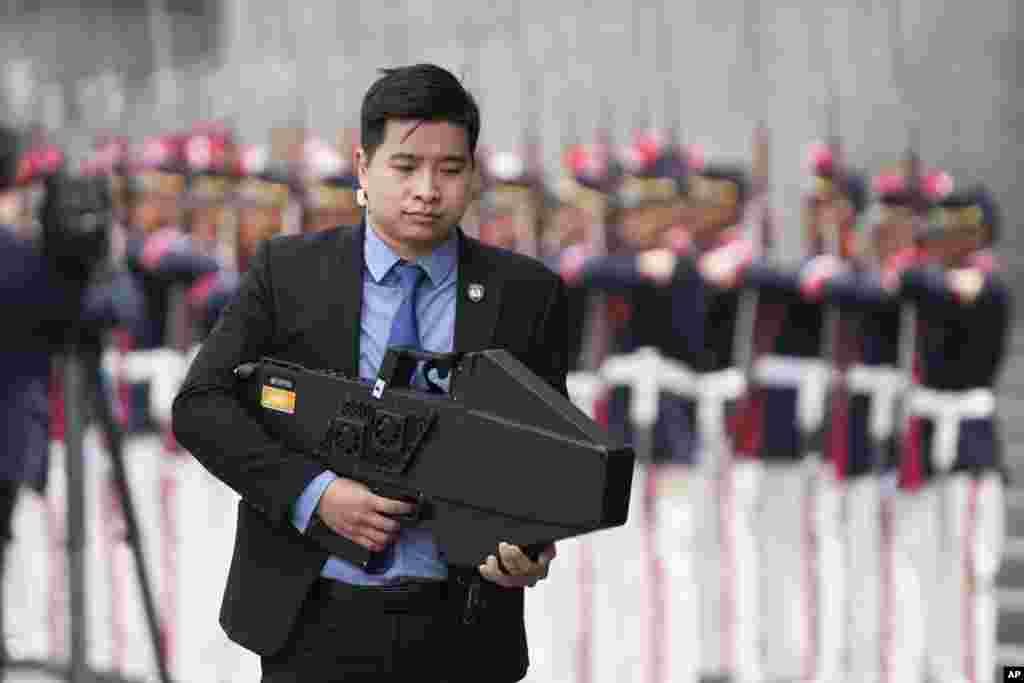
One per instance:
(710, 219)
(828, 217)
(569, 226)
(642, 227)
(418, 183)
(953, 247)
(206, 222)
(894, 231)
(256, 224)
(153, 211)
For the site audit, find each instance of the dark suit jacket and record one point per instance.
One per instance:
(301, 301)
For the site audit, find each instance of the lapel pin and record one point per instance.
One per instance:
(476, 292)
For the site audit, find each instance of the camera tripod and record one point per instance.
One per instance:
(82, 388)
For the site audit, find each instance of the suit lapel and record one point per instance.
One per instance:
(475, 315)
(345, 277)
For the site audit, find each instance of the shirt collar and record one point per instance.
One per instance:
(380, 258)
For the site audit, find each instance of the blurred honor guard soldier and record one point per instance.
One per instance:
(661, 426)
(162, 258)
(727, 486)
(263, 197)
(953, 445)
(328, 300)
(704, 315)
(510, 206)
(792, 382)
(882, 637)
(584, 193)
(329, 188)
(210, 154)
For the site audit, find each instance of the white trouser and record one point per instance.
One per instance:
(852, 599)
(785, 522)
(832, 551)
(727, 570)
(915, 570)
(952, 538)
(620, 624)
(678, 593)
(559, 611)
(645, 603)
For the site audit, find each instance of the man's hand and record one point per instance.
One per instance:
(351, 510)
(966, 284)
(724, 266)
(816, 274)
(520, 571)
(657, 265)
(571, 264)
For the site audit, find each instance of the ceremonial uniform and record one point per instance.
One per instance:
(588, 595)
(953, 452)
(859, 500)
(211, 154)
(164, 260)
(800, 496)
(510, 205)
(787, 391)
(658, 422)
(695, 315)
(329, 186)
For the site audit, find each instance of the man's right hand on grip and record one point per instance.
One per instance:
(352, 510)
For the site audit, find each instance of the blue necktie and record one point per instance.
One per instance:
(405, 331)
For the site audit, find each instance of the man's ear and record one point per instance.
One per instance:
(362, 166)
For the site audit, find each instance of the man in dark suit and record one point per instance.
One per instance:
(337, 299)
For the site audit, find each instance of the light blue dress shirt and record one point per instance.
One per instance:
(416, 553)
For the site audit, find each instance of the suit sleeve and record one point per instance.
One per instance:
(857, 292)
(615, 274)
(550, 342)
(772, 280)
(210, 420)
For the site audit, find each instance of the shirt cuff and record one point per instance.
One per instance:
(303, 510)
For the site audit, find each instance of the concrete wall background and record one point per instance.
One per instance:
(261, 64)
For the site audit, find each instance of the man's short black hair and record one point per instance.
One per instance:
(423, 91)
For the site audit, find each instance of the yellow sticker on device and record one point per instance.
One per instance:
(281, 400)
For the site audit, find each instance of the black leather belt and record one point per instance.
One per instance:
(465, 593)
(406, 598)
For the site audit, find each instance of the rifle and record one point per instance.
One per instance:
(745, 333)
(412, 445)
(907, 347)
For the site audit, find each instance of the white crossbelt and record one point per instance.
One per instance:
(641, 371)
(647, 373)
(809, 376)
(946, 410)
(883, 385)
